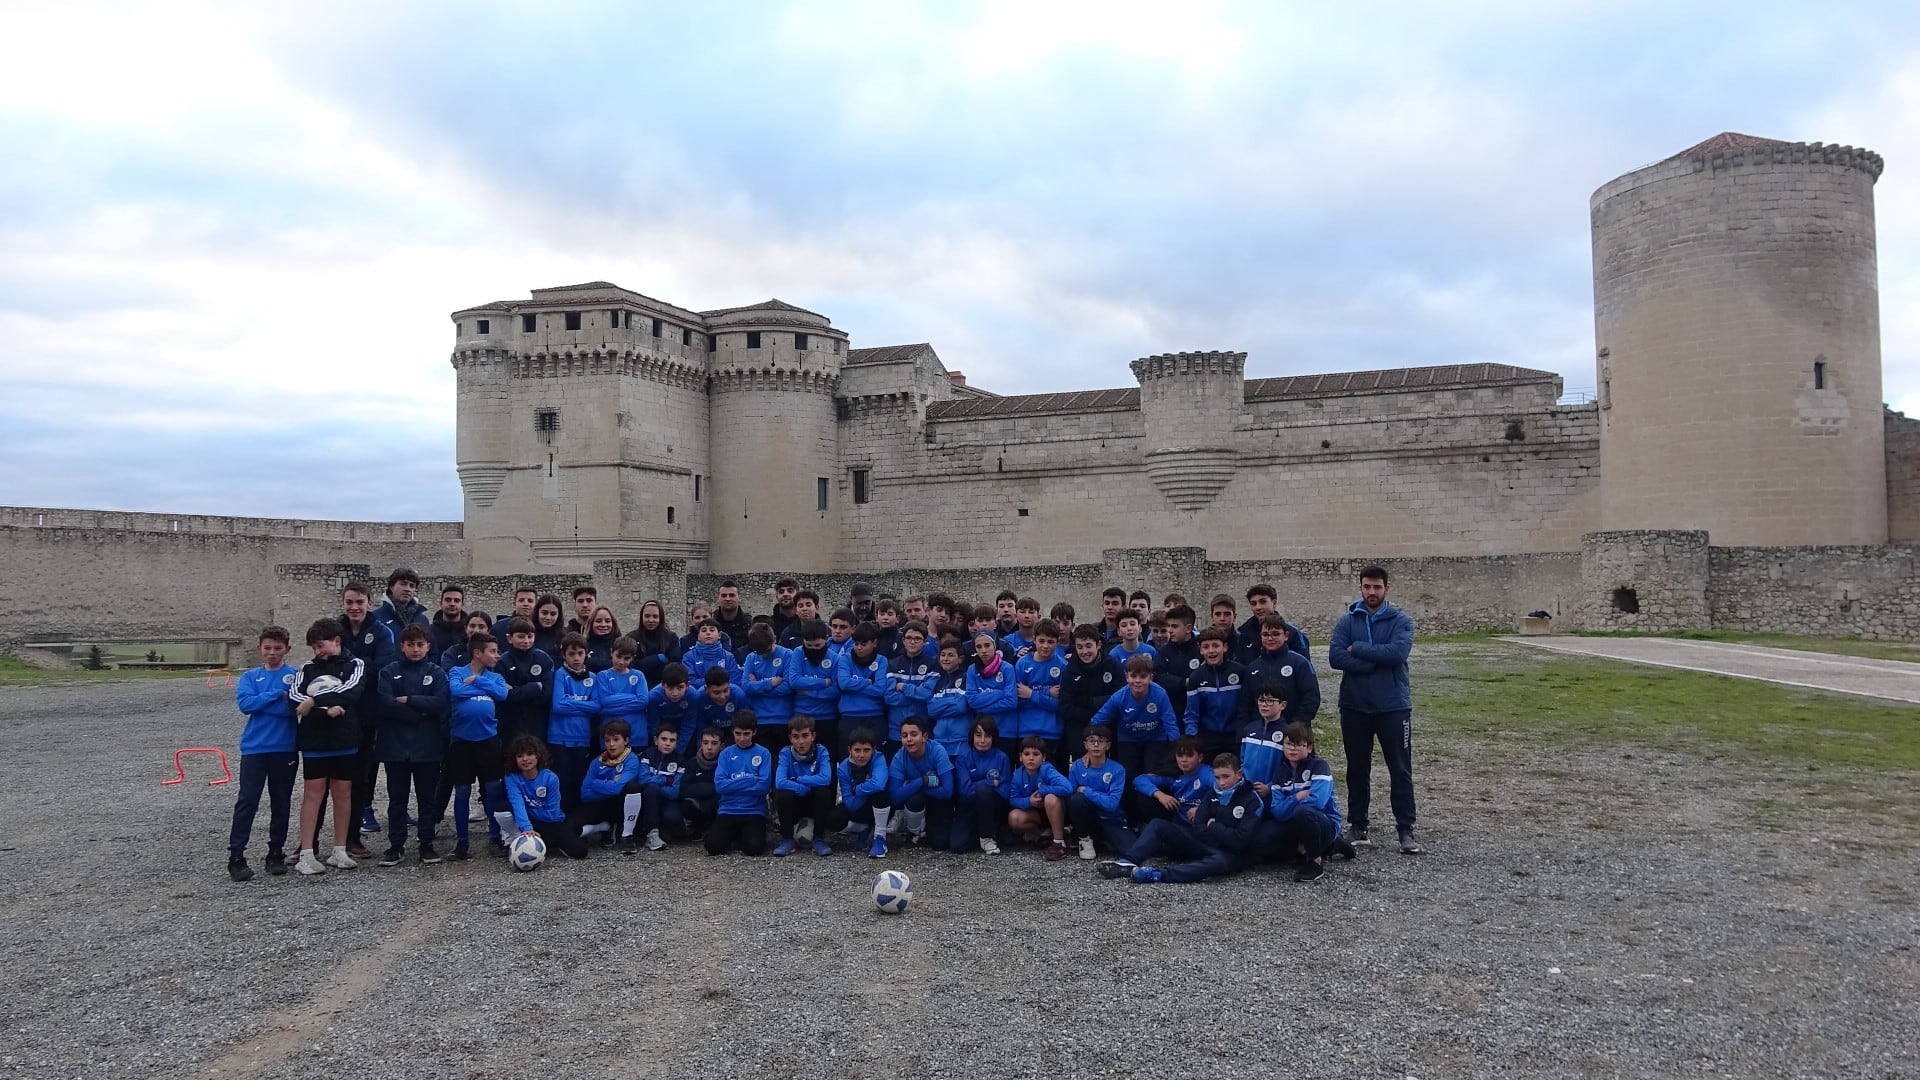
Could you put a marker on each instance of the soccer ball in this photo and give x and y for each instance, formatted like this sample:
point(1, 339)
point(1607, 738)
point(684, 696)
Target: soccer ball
point(527, 852)
point(891, 891)
point(323, 684)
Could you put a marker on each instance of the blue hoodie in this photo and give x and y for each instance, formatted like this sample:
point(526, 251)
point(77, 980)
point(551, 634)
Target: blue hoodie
point(800, 776)
point(857, 785)
point(1147, 719)
point(1104, 785)
point(947, 709)
point(816, 684)
point(606, 779)
point(771, 704)
point(682, 716)
point(1039, 714)
point(1312, 776)
point(1022, 787)
point(742, 777)
point(1213, 698)
point(576, 703)
point(1370, 649)
point(974, 771)
point(474, 703)
point(931, 773)
point(534, 802)
point(701, 657)
point(417, 730)
point(910, 687)
point(262, 694)
point(863, 687)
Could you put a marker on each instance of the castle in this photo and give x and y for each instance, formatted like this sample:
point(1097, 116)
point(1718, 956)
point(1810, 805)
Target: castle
point(1738, 467)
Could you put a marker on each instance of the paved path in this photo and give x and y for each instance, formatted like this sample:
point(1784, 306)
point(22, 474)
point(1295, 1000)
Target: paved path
point(1893, 680)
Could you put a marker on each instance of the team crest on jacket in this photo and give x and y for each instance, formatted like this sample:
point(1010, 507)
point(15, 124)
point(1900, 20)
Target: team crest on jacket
point(291, 678)
point(776, 661)
point(1106, 676)
point(426, 680)
point(541, 791)
point(1193, 664)
point(1239, 811)
point(1233, 680)
point(1153, 707)
point(588, 681)
point(633, 680)
point(1053, 673)
point(369, 638)
point(756, 761)
point(534, 670)
point(1286, 671)
point(1106, 778)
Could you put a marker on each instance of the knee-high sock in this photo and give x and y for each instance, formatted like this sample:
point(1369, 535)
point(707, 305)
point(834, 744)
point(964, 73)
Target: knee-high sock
point(880, 816)
point(629, 813)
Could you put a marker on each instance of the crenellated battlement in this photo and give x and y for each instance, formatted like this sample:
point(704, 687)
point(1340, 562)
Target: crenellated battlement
point(799, 380)
point(656, 367)
point(1169, 365)
point(1768, 152)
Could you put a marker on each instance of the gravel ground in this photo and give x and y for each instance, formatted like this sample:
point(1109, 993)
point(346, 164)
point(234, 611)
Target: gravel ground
point(1596, 915)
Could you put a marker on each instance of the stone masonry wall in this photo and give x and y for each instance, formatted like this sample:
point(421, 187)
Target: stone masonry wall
point(1654, 581)
point(1864, 591)
point(1903, 477)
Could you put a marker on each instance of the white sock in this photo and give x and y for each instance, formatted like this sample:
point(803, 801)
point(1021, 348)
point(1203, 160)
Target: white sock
point(880, 815)
point(505, 820)
point(629, 813)
point(916, 821)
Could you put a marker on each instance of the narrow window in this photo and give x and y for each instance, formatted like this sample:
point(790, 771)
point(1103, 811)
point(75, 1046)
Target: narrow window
point(860, 481)
point(658, 326)
point(459, 329)
point(409, 534)
point(299, 530)
point(669, 515)
point(1819, 374)
point(820, 493)
point(573, 320)
point(486, 326)
point(546, 422)
point(800, 342)
point(39, 519)
point(613, 319)
point(696, 487)
point(174, 525)
point(713, 343)
point(526, 324)
point(753, 339)
point(686, 336)
point(1023, 511)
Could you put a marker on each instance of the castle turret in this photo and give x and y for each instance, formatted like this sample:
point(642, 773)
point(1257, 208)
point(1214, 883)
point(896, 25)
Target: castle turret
point(1190, 404)
point(1736, 314)
point(774, 442)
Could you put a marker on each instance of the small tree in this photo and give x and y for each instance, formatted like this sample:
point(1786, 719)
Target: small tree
point(96, 660)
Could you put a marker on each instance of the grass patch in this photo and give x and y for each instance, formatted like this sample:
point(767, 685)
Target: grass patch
point(1869, 648)
point(1522, 702)
point(15, 673)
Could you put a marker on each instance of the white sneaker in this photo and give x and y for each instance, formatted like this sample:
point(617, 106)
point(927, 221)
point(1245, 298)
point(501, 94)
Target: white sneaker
point(309, 865)
point(989, 845)
point(654, 843)
point(1086, 849)
point(341, 859)
point(593, 830)
point(803, 832)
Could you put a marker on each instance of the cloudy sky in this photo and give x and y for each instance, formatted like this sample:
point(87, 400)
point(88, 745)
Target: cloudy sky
point(230, 238)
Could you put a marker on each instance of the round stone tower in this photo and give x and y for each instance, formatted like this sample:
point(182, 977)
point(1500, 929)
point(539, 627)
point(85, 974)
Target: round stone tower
point(1737, 320)
point(1190, 404)
point(774, 440)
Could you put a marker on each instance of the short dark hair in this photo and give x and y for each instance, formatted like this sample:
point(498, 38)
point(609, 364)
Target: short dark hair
point(520, 624)
point(800, 723)
point(1212, 633)
point(1097, 731)
point(1139, 664)
point(1008, 594)
point(1374, 573)
point(585, 590)
point(1062, 614)
point(526, 588)
point(1125, 614)
point(1182, 613)
point(674, 674)
point(1087, 632)
point(618, 727)
point(807, 594)
point(759, 636)
point(915, 721)
point(1273, 621)
point(625, 646)
point(476, 642)
point(1187, 744)
point(714, 730)
point(450, 588)
point(1114, 590)
point(356, 586)
point(1223, 600)
point(573, 639)
point(322, 629)
point(813, 630)
point(704, 623)
point(1226, 759)
point(844, 615)
point(403, 574)
point(744, 720)
point(1047, 628)
point(1140, 594)
point(861, 737)
point(987, 724)
point(728, 584)
point(866, 632)
point(276, 633)
point(1033, 742)
point(1026, 603)
point(1299, 733)
point(786, 583)
point(717, 676)
point(1263, 589)
point(415, 632)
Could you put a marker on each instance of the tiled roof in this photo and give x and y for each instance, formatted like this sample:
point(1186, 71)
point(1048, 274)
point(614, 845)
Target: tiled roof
point(764, 305)
point(1443, 376)
point(1726, 140)
point(887, 354)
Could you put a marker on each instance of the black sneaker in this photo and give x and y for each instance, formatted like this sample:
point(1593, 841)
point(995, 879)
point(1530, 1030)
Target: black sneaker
point(1357, 836)
point(238, 870)
point(1116, 868)
point(428, 856)
point(1344, 849)
point(629, 846)
point(1309, 871)
point(1408, 845)
point(460, 853)
point(392, 857)
point(276, 864)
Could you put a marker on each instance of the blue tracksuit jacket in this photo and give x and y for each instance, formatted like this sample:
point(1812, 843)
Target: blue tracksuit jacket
point(663, 774)
point(931, 773)
point(682, 716)
point(1189, 788)
point(993, 695)
point(947, 708)
point(1213, 698)
point(1312, 776)
point(863, 687)
point(742, 778)
point(416, 731)
point(1371, 649)
point(1038, 714)
point(623, 696)
point(910, 687)
point(857, 785)
point(974, 771)
point(1104, 785)
point(701, 657)
point(1022, 787)
point(802, 775)
point(262, 694)
point(536, 801)
point(1227, 820)
point(576, 704)
point(1139, 719)
point(771, 704)
point(474, 704)
point(606, 779)
point(1297, 679)
point(816, 684)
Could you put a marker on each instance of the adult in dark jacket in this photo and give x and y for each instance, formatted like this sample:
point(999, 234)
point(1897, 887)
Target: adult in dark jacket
point(449, 624)
point(1370, 646)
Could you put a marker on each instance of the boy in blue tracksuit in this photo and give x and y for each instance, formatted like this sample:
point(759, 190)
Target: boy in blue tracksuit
point(1214, 690)
point(1132, 630)
point(1142, 718)
point(1176, 794)
point(1370, 647)
point(1219, 841)
point(720, 702)
point(816, 682)
point(766, 674)
point(709, 651)
point(1036, 797)
point(624, 692)
point(671, 708)
point(1098, 782)
point(475, 753)
point(861, 676)
point(865, 804)
point(412, 740)
point(947, 715)
point(268, 760)
point(1278, 662)
point(574, 718)
point(741, 778)
point(664, 778)
point(529, 675)
point(1302, 823)
point(803, 788)
point(911, 679)
point(1036, 679)
point(980, 809)
point(920, 782)
point(613, 789)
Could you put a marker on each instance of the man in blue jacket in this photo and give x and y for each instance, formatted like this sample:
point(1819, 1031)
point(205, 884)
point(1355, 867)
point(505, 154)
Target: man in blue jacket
point(1370, 647)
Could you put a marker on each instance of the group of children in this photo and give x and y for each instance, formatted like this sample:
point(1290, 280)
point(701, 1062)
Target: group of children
point(960, 727)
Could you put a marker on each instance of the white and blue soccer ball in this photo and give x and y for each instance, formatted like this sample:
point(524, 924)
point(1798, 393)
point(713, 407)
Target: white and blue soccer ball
point(526, 852)
point(891, 891)
point(323, 684)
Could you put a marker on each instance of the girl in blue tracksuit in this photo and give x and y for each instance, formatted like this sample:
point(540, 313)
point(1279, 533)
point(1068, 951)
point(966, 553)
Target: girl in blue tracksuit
point(533, 795)
point(920, 780)
point(947, 713)
point(991, 689)
point(979, 807)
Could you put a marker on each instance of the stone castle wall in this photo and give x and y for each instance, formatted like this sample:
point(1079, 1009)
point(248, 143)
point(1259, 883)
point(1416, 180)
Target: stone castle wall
point(1903, 477)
